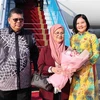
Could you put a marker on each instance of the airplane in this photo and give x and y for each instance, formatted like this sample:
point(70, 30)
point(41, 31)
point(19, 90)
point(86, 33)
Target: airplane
point(91, 8)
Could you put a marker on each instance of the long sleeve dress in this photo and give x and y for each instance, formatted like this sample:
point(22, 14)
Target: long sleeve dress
point(84, 82)
point(46, 59)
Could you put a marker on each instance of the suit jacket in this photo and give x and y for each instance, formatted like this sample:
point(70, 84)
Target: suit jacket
point(46, 59)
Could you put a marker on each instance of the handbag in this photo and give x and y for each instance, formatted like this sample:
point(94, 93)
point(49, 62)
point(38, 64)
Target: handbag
point(40, 81)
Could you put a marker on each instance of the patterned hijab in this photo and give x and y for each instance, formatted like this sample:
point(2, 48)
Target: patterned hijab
point(56, 48)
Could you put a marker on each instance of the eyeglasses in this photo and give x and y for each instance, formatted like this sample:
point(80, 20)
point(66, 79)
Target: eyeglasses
point(18, 19)
point(57, 33)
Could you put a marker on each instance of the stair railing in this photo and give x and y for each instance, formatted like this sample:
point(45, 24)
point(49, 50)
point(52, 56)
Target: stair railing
point(47, 2)
point(57, 17)
point(4, 13)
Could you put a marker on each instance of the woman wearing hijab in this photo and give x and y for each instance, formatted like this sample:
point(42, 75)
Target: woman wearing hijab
point(50, 58)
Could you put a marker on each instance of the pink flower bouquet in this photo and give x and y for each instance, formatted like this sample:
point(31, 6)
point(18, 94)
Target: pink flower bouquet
point(70, 62)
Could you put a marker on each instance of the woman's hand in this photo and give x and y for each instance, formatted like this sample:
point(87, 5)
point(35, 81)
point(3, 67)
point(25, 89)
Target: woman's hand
point(56, 70)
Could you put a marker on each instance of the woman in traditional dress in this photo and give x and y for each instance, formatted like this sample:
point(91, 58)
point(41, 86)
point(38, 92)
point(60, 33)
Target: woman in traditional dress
point(84, 82)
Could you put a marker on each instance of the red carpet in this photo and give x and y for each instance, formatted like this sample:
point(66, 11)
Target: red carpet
point(35, 96)
point(36, 23)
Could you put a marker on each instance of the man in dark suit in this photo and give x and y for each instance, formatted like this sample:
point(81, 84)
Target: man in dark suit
point(41, 5)
point(35, 3)
point(19, 3)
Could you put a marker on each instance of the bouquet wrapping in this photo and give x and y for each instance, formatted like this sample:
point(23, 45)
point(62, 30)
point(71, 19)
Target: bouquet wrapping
point(71, 60)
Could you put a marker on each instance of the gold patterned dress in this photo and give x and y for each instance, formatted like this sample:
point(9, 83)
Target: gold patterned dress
point(84, 82)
